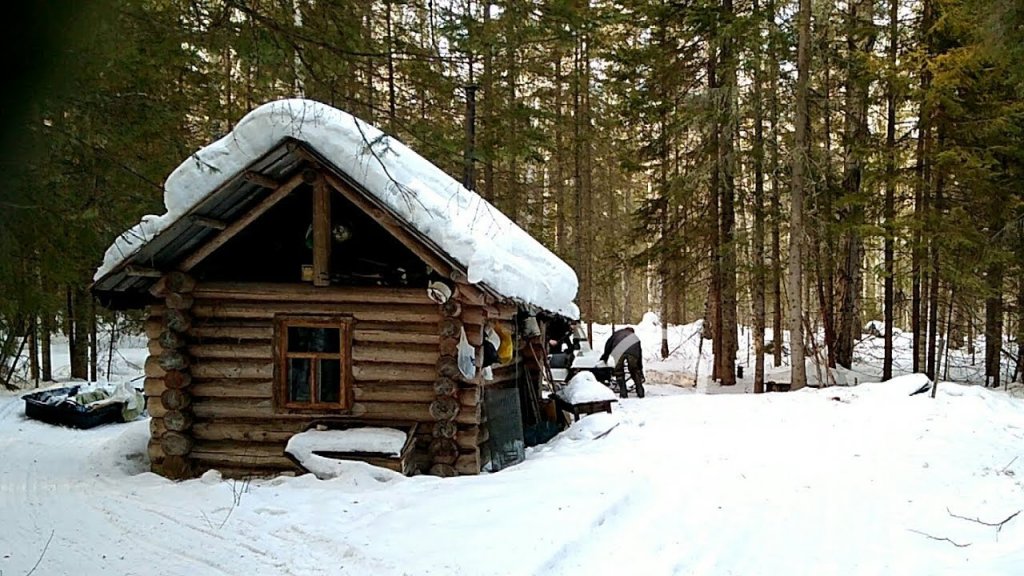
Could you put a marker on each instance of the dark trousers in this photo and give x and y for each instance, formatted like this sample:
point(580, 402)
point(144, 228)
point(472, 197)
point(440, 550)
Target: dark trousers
point(636, 372)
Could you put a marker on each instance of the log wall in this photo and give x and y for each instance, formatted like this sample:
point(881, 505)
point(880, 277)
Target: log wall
point(234, 425)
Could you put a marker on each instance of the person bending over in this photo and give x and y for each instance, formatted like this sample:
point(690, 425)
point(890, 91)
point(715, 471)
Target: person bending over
point(624, 347)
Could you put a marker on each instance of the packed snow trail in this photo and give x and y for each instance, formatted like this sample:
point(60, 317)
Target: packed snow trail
point(841, 481)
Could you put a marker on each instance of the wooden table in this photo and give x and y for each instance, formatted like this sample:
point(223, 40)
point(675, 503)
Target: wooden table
point(583, 408)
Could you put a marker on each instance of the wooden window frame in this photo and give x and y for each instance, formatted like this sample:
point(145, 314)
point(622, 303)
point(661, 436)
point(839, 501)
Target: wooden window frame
point(282, 322)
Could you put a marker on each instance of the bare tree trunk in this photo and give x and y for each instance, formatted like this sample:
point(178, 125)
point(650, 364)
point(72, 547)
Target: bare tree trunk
point(715, 243)
point(33, 351)
point(918, 256)
point(776, 200)
point(80, 334)
point(890, 190)
point(758, 278)
point(93, 345)
point(801, 155)
point(994, 324)
point(728, 134)
point(46, 330)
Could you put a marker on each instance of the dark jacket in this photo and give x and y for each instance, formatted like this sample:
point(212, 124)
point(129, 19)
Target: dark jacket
point(621, 343)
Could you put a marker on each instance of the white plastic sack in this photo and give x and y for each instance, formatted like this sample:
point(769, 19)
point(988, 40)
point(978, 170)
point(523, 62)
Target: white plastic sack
point(467, 357)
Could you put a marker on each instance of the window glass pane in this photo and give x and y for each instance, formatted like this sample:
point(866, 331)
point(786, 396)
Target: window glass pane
point(302, 339)
point(298, 379)
point(329, 385)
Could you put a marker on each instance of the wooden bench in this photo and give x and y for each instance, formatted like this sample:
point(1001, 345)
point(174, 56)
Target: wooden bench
point(403, 463)
point(583, 408)
point(777, 386)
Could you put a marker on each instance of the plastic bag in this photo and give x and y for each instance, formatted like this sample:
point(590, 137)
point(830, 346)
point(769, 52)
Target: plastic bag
point(467, 357)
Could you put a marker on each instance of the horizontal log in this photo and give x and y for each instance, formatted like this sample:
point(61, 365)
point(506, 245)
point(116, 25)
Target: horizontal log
point(237, 388)
point(269, 430)
point(175, 360)
point(177, 379)
point(156, 428)
point(360, 336)
point(361, 312)
point(468, 464)
point(408, 354)
point(443, 451)
point(179, 282)
point(177, 301)
point(259, 291)
point(257, 409)
point(393, 392)
point(240, 351)
point(256, 455)
point(394, 372)
point(155, 451)
point(472, 437)
point(444, 429)
point(474, 334)
point(232, 331)
point(152, 367)
point(175, 399)
point(177, 320)
point(176, 443)
point(153, 327)
point(176, 420)
point(444, 408)
point(169, 340)
point(247, 369)
point(443, 470)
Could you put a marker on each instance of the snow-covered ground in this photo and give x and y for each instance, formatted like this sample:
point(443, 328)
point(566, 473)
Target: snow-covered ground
point(841, 480)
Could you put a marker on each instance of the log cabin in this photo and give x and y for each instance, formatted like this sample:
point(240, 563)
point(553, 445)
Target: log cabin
point(311, 270)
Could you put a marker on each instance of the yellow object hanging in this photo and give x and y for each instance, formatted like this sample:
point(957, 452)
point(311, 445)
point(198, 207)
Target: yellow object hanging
point(505, 348)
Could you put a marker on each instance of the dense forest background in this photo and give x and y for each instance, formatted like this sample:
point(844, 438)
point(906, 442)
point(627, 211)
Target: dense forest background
point(770, 164)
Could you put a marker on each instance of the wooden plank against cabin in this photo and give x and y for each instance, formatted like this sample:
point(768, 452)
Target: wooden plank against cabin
point(238, 225)
point(289, 292)
point(321, 233)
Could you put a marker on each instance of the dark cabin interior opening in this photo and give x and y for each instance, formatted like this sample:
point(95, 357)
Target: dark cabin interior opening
point(276, 246)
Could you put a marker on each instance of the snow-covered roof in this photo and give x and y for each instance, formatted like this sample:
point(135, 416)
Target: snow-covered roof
point(493, 250)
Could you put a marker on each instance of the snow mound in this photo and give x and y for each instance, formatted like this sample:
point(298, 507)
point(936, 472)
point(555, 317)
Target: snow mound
point(584, 387)
point(494, 250)
point(383, 441)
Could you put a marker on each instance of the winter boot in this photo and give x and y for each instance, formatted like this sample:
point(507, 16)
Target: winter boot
point(640, 389)
point(623, 391)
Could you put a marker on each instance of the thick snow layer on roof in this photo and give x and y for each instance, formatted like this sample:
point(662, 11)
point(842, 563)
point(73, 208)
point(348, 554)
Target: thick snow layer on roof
point(494, 250)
